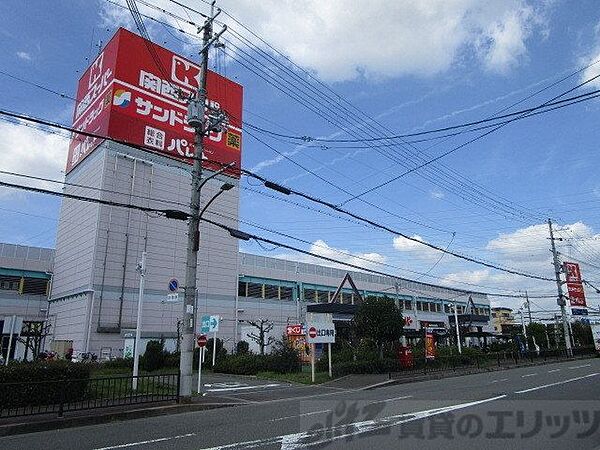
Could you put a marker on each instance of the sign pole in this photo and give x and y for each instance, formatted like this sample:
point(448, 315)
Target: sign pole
point(312, 362)
point(200, 357)
point(329, 351)
point(214, 355)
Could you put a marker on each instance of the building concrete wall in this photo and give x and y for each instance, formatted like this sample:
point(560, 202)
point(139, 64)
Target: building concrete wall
point(101, 255)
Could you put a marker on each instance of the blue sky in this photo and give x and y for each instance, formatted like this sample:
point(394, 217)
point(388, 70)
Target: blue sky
point(412, 65)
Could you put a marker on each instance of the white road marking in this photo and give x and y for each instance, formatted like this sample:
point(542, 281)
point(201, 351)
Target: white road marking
point(302, 440)
point(580, 367)
point(554, 370)
point(499, 381)
point(244, 388)
point(557, 383)
point(393, 399)
point(151, 441)
point(301, 415)
point(529, 375)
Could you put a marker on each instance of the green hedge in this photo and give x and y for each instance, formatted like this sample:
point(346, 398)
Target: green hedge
point(361, 367)
point(283, 359)
point(43, 382)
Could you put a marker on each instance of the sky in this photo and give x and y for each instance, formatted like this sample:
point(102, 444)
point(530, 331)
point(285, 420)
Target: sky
point(359, 70)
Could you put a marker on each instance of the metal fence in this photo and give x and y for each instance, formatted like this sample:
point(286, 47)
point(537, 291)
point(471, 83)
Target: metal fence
point(60, 396)
point(488, 361)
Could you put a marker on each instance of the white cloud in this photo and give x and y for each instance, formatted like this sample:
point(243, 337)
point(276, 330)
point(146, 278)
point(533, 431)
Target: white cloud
point(437, 195)
point(33, 152)
point(341, 40)
point(24, 56)
point(591, 58)
point(370, 260)
point(414, 250)
point(528, 250)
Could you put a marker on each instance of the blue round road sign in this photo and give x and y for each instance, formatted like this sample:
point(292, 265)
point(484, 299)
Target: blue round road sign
point(173, 284)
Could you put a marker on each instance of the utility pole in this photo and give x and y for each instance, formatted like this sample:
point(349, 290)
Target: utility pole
point(138, 328)
point(196, 119)
point(458, 344)
point(524, 330)
point(528, 306)
point(561, 298)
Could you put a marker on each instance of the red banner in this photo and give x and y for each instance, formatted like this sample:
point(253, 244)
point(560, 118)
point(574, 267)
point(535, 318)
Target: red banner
point(573, 273)
point(429, 346)
point(128, 96)
point(574, 285)
point(576, 294)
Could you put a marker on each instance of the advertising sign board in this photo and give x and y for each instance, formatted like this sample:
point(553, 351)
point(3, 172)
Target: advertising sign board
point(127, 95)
point(574, 284)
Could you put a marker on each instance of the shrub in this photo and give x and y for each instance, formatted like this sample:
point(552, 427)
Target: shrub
point(43, 382)
point(284, 358)
point(155, 356)
point(245, 364)
point(242, 347)
point(360, 367)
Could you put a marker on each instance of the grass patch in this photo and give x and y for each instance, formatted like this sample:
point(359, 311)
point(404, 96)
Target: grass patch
point(297, 377)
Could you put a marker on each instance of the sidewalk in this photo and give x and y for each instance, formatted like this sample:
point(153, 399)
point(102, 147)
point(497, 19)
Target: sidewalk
point(44, 422)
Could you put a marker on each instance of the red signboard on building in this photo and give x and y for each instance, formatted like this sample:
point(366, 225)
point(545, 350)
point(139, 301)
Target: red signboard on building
point(574, 284)
point(294, 330)
point(127, 96)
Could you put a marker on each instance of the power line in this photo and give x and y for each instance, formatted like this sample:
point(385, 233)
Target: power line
point(288, 191)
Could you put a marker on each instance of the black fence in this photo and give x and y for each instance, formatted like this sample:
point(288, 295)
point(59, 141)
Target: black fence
point(60, 396)
point(489, 361)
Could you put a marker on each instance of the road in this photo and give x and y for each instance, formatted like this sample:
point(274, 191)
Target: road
point(554, 406)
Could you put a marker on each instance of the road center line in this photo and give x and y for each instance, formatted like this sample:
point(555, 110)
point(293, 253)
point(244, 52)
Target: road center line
point(557, 383)
point(301, 415)
point(580, 367)
point(393, 399)
point(529, 375)
point(243, 388)
point(554, 370)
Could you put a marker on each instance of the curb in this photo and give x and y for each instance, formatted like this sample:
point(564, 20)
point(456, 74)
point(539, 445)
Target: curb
point(78, 421)
point(459, 373)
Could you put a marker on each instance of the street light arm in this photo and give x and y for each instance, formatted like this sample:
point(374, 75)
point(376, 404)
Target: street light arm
point(218, 172)
point(214, 197)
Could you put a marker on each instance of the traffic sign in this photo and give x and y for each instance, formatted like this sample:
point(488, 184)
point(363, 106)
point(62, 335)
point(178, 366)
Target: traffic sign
point(321, 333)
point(201, 340)
point(173, 284)
point(210, 324)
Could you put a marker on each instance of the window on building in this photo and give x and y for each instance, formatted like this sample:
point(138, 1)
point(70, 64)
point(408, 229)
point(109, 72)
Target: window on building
point(242, 285)
point(420, 306)
point(255, 290)
point(447, 308)
point(271, 292)
point(407, 304)
point(10, 283)
point(287, 293)
point(346, 297)
point(309, 295)
point(322, 296)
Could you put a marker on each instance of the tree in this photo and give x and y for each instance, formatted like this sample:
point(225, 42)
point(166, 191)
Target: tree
point(32, 335)
point(582, 334)
point(538, 331)
point(379, 320)
point(263, 327)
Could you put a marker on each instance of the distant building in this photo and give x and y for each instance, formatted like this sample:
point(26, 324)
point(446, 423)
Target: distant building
point(503, 320)
point(25, 279)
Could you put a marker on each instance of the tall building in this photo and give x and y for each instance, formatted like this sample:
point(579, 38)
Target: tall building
point(129, 96)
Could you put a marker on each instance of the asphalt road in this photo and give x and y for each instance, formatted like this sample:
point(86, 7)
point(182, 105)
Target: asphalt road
point(554, 406)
